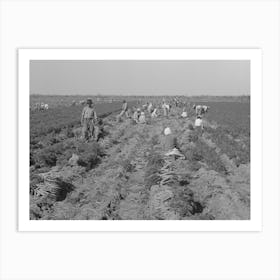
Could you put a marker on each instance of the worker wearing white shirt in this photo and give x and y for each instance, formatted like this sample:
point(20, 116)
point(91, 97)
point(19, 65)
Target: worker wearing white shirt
point(198, 122)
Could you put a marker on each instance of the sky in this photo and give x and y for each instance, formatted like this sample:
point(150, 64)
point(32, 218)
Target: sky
point(140, 77)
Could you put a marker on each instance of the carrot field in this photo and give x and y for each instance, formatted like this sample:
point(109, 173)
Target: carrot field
point(125, 175)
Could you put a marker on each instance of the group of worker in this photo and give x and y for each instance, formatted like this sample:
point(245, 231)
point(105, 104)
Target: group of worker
point(171, 145)
point(139, 114)
point(153, 111)
point(91, 124)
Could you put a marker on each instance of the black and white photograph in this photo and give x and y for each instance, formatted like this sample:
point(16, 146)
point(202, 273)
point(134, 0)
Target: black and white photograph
point(140, 139)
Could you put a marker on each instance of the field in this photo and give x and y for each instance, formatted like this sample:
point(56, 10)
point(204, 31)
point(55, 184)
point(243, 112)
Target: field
point(125, 175)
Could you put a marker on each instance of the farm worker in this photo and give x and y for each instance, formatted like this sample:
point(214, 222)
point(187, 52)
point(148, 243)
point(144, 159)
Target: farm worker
point(165, 108)
point(205, 109)
point(124, 109)
point(198, 122)
point(150, 107)
point(198, 109)
point(201, 109)
point(171, 145)
point(142, 118)
point(37, 106)
point(136, 115)
point(128, 113)
point(154, 113)
point(98, 128)
point(184, 114)
point(145, 106)
point(88, 120)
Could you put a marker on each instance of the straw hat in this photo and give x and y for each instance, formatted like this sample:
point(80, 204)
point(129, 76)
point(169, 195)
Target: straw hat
point(167, 131)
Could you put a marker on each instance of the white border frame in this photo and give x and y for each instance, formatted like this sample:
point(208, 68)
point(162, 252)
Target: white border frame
point(254, 55)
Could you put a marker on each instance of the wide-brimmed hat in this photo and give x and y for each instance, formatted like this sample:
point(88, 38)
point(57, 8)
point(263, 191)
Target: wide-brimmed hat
point(167, 131)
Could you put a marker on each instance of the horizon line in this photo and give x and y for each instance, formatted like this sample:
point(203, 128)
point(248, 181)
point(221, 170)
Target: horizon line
point(138, 95)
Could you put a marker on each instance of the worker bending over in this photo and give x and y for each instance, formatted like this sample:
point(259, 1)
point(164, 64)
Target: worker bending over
point(170, 144)
point(198, 124)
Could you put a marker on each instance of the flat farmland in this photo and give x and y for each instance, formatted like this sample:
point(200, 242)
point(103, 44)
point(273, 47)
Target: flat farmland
point(231, 114)
point(67, 100)
point(125, 175)
point(56, 118)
